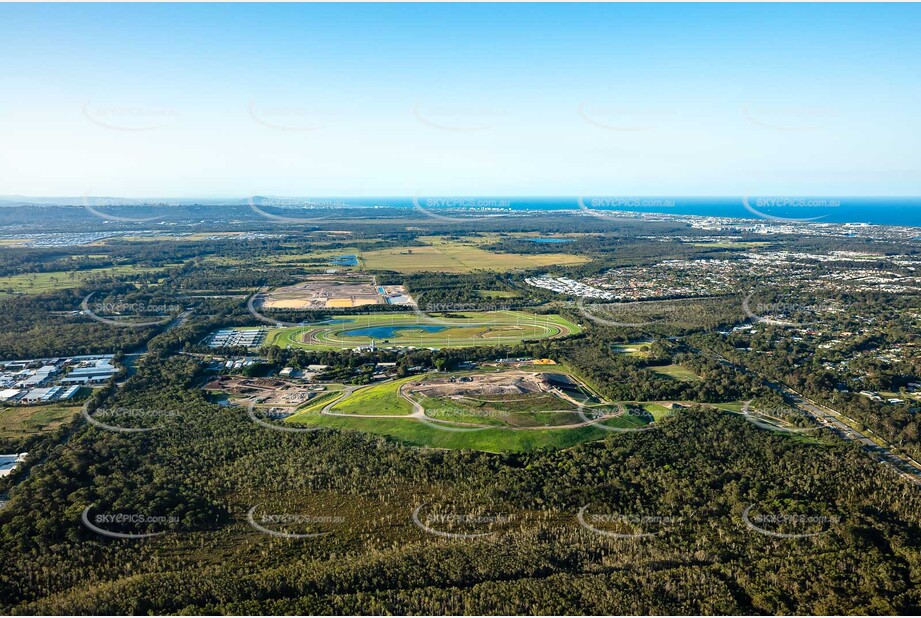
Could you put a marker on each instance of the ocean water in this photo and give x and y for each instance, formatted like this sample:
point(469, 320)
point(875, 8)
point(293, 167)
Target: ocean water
point(877, 211)
point(873, 210)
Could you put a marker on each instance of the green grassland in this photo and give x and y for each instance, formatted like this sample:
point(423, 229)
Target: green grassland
point(497, 294)
point(379, 399)
point(37, 283)
point(632, 349)
point(657, 411)
point(676, 372)
point(500, 403)
point(20, 421)
point(498, 418)
point(418, 433)
point(485, 328)
point(441, 254)
point(732, 406)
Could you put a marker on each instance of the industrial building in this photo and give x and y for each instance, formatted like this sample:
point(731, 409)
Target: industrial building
point(237, 337)
point(52, 379)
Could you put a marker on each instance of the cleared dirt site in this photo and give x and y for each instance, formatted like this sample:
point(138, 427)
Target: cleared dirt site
point(508, 383)
point(332, 291)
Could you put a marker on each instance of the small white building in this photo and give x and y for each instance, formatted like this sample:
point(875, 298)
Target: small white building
point(9, 394)
point(8, 463)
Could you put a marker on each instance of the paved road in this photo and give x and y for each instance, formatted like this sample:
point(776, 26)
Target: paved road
point(831, 419)
point(131, 359)
point(825, 416)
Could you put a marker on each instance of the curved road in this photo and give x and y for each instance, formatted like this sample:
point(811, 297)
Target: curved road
point(419, 412)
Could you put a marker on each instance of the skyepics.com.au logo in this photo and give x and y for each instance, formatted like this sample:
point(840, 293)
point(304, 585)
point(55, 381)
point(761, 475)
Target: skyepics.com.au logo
point(619, 206)
point(628, 203)
point(780, 209)
point(792, 522)
point(255, 302)
point(618, 118)
point(620, 525)
point(460, 307)
point(251, 413)
point(596, 311)
point(126, 525)
point(128, 420)
point(135, 307)
point(293, 525)
point(453, 309)
point(787, 119)
point(294, 210)
point(452, 522)
point(126, 210)
point(458, 314)
point(616, 418)
point(448, 418)
point(457, 119)
point(293, 117)
point(462, 209)
point(129, 315)
point(128, 117)
point(784, 419)
point(775, 312)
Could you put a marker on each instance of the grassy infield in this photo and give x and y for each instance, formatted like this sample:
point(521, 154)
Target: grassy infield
point(494, 327)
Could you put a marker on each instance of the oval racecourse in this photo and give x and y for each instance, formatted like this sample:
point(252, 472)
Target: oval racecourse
point(405, 329)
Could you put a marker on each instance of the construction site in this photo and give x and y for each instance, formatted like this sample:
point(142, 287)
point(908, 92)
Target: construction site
point(334, 291)
point(276, 398)
point(505, 387)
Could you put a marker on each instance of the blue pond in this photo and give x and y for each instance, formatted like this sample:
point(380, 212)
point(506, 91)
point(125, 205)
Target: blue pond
point(386, 332)
point(549, 240)
point(345, 260)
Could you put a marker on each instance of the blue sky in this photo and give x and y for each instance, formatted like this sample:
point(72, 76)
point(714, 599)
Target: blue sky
point(373, 100)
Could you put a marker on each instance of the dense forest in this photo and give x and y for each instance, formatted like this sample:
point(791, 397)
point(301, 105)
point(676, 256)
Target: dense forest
point(206, 466)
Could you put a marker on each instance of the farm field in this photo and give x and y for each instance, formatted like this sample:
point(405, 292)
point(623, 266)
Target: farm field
point(21, 420)
point(36, 283)
point(497, 294)
point(454, 256)
point(409, 329)
point(318, 258)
